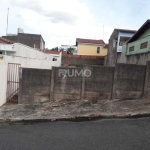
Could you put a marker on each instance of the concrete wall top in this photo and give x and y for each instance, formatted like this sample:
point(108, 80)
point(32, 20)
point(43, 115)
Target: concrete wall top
point(21, 50)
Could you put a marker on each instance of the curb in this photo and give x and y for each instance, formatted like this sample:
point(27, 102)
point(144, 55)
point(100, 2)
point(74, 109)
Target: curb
point(73, 119)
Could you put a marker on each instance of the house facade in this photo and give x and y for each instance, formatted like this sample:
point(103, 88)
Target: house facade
point(137, 48)
point(91, 47)
point(14, 56)
point(116, 41)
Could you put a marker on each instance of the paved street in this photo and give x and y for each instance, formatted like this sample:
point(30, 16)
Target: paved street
point(118, 134)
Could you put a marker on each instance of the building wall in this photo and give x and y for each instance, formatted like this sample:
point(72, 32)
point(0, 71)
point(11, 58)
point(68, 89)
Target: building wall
point(3, 82)
point(13, 38)
point(145, 34)
point(28, 58)
point(145, 37)
point(138, 56)
point(20, 50)
point(139, 59)
point(137, 44)
point(112, 54)
point(121, 58)
point(89, 49)
point(32, 40)
point(115, 51)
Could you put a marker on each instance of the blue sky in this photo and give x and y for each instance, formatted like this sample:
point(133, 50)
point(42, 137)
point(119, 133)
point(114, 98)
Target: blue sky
point(60, 22)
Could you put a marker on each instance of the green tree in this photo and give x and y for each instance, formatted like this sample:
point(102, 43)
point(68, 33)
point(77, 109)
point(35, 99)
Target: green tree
point(55, 48)
point(70, 50)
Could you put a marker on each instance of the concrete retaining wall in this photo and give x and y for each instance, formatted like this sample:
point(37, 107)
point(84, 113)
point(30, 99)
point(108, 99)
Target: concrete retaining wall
point(68, 87)
point(124, 81)
point(147, 81)
point(128, 81)
point(34, 85)
point(99, 84)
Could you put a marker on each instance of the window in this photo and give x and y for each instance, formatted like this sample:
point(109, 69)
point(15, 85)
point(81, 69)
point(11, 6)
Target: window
point(144, 45)
point(131, 49)
point(98, 49)
point(54, 59)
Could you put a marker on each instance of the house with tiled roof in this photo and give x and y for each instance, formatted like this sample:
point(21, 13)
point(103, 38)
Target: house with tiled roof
point(5, 41)
point(54, 52)
point(91, 47)
point(137, 48)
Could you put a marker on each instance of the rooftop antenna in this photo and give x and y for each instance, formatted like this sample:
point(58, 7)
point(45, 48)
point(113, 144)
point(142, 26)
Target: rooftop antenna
point(7, 23)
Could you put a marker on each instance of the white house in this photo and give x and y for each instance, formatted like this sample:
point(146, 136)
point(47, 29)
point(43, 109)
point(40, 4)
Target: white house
point(13, 56)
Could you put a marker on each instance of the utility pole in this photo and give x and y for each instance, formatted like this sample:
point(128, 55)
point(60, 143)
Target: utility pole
point(7, 23)
point(7, 27)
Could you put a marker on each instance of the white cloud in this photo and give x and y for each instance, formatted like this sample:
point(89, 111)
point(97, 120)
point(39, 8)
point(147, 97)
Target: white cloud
point(62, 21)
point(57, 21)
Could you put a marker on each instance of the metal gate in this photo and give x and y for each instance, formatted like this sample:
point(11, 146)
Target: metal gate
point(12, 83)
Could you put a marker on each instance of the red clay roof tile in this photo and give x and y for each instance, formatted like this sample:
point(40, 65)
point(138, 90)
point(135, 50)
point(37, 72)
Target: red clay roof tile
point(52, 52)
point(79, 40)
point(5, 41)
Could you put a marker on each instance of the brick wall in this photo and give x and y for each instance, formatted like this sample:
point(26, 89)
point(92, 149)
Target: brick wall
point(70, 59)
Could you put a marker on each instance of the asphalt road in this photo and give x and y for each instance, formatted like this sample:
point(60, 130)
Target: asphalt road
point(118, 134)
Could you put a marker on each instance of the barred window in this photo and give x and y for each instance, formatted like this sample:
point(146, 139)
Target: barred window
point(144, 45)
point(131, 49)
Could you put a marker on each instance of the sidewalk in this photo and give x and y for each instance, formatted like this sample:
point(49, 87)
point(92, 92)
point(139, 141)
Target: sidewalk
point(76, 109)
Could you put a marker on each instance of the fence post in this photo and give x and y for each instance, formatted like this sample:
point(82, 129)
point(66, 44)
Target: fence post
point(146, 92)
point(20, 86)
point(83, 83)
point(52, 84)
point(113, 93)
